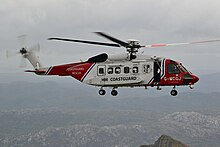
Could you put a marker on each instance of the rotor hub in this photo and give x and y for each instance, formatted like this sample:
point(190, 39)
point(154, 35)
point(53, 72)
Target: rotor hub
point(23, 51)
point(133, 42)
point(133, 46)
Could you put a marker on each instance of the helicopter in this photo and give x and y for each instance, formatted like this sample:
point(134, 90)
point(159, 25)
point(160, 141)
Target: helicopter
point(128, 69)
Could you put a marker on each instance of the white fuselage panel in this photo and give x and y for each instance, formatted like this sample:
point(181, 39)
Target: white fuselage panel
point(121, 73)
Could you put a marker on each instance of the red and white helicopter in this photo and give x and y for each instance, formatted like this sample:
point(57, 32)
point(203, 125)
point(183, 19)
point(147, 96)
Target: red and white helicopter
point(130, 69)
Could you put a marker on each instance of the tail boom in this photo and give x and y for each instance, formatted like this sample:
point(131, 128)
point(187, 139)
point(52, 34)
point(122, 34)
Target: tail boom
point(76, 70)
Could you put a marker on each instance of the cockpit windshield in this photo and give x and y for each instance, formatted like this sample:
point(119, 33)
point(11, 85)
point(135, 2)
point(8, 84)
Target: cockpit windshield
point(182, 68)
point(174, 68)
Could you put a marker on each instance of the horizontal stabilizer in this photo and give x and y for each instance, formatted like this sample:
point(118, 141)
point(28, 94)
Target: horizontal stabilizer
point(36, 71)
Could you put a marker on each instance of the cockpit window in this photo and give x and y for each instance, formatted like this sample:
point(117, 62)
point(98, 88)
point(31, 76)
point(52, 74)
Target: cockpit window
point(182, 68)
point(173, 69)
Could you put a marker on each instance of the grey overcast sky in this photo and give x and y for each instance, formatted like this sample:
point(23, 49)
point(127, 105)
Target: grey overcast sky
point(149, 21)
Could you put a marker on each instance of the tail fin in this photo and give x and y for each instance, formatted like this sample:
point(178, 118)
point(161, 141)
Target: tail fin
point(32, 57)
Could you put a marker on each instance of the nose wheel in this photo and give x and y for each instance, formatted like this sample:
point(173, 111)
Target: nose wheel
point(173, 92)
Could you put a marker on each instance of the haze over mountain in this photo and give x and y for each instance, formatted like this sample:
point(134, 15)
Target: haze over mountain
point(52, 93)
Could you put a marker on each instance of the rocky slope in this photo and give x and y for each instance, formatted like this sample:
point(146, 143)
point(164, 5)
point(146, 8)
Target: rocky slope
point(166, 141)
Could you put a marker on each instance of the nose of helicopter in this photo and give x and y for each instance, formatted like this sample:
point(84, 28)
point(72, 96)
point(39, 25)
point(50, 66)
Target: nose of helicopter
point(195, 79)
point(190, 79)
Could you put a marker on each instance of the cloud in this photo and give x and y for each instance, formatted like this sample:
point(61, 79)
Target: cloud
point(150, 21)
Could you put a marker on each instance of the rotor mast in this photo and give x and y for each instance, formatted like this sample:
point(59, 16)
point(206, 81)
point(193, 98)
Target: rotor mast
point(133, 47)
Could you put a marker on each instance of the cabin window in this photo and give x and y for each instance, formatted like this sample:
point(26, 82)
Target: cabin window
point(101, 70)
point(126, 70)
point(146, 69)
point(110, 70)
point(117, 70)
point(135, 69)
point(173, 69)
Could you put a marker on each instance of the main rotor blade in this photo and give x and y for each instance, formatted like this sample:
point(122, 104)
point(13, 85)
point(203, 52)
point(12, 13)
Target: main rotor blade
point(122, 43)
point(86, 41)
point(176, 44)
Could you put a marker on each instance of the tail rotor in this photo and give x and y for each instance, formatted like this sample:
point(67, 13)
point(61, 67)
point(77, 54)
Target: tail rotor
point(26, 53)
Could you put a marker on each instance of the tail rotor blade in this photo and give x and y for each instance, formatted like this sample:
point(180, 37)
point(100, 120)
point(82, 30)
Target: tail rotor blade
point(10, 54)
point(23, 63)
point(35, 48)
point(22, 40)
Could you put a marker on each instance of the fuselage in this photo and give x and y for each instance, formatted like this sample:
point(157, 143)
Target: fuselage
point(118, 71)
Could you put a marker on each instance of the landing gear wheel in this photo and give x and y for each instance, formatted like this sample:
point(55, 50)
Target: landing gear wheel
point(102, 92)
point(173, 92)
point(114, 92)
